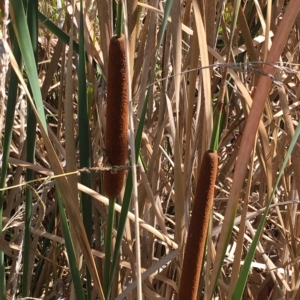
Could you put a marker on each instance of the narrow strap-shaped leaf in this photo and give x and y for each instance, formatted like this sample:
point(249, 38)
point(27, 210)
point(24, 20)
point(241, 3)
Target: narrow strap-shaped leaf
point(23, 37)
point(30, 154)
point(242, 280)
point(57, 31)
point(70, 249)
point(9, 121)
point(84, 141)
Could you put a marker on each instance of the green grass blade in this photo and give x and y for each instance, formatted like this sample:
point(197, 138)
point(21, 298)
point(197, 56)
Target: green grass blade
point(70, 250)
point(220, 106)
point(168, 7)
point(32, 20)
point(214, 144)
point(242, 280)
point(57, 31)
point(10, 113)
point(63, 36)
point(24, 40)
point(84, 141)
point(119, 18)
point(121, 228)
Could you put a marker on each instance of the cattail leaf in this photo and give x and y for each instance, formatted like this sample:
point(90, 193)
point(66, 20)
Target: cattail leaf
point(70, 249)
point(249, 134)
point(23, 37)
point(32, 21)
point(84, 142)
point(9, 121)
point(57, 31)
point(242, 280)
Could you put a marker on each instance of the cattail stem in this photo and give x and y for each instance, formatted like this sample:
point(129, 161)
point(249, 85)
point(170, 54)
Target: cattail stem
point(108, 247)
point(119, 18)
point(116, 136)
point(196, 239)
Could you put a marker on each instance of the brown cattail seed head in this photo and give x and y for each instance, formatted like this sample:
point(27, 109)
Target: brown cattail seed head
point(116, 137)
point(196, 239)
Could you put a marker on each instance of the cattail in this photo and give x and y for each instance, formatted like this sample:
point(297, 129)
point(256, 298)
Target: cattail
point(196, 239)
point(116, 137)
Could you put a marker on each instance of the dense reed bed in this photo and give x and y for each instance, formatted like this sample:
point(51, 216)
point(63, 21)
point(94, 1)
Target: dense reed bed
point(77, 180)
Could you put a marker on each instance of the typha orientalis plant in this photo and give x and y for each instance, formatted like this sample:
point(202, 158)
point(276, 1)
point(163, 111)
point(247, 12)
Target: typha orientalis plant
point(116, 136)
point(203, 201)
point(196, 240)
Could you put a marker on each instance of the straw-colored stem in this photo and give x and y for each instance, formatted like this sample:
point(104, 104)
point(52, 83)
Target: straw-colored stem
point(108, 244)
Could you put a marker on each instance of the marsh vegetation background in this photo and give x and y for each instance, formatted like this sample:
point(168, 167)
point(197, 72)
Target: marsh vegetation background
point(219, 75)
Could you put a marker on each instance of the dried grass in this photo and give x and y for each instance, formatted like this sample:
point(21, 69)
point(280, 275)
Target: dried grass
point(177, 131)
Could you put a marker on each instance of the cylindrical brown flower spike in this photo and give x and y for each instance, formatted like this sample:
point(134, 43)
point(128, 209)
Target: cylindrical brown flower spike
point(116, 136)
point(192, 262)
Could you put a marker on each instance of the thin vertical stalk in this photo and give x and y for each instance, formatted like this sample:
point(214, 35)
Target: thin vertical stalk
point(133, 160)
point(108, 247)
point(84, 140)
point(10, 112)
point(70, 249)
point(220, 105)
point(12, 94)
point(116, 138)
point(30, 152)
point(119, 19)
